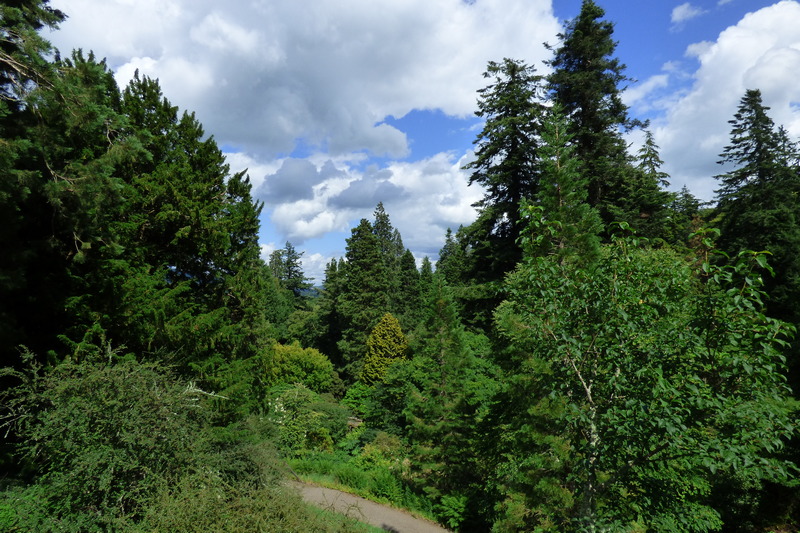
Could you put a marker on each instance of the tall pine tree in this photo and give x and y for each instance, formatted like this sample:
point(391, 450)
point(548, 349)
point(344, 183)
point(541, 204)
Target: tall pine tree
point(505, 164)
point(586, 81)
point(758, 200)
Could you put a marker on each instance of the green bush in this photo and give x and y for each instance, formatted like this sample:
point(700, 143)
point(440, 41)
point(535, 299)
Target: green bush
point(384, 484)
point(305, 420)
point(351, 476)
point(104, 436)
point(202, 502)
point(291, 364)
point(124, 446)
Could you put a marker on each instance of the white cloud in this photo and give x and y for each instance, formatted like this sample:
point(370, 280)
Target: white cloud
point(761, 52)
point(685, 12)
point(422, 198)
point(263, 74)
point(314, 266)
point(634, 95)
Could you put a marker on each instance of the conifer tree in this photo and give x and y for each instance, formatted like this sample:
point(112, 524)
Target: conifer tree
point(644, 203)
point(287, 267)
point(758, 199)
point(326, 325)
point(406, 302)
point(366, 295)
point(586, 81)
point(386, 345)
point(505, 164)
point(572, 226)
point(452, 262)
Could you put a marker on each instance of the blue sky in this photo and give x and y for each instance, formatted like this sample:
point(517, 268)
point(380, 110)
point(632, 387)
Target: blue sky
point(335, 105)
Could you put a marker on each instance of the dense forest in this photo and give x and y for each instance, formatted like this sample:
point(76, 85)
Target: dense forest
point(593, 353)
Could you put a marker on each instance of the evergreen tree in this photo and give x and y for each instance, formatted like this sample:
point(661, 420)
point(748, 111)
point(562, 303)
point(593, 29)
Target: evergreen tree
point(386, 344)
point(644, 203)
point(572, 226)
point(758, 200)
point(505, 164)
point(425, 276)
point(684, 216)
point(366, 295)
point(407, 304)
point(391, 242)
point(452, 261)
point(759, 153)
point(287, 267)
point(324, 329)
point(586, 81)
point(23, 51)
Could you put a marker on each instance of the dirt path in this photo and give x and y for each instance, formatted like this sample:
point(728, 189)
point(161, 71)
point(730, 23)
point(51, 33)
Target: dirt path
point(375, 514)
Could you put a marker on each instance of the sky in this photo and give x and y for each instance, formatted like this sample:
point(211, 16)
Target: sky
point(335, 105)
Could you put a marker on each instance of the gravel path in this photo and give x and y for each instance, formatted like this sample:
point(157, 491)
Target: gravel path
point(386, 518)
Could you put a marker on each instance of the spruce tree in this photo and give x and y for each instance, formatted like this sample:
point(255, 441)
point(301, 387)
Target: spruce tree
point(505, 164)
point(758, 200)
point(586, 81)
point(644, 204)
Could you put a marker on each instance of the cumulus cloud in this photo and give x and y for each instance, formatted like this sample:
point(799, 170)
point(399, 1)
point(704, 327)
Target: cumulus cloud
point(422, 198)
point(761, 52)
point(263, 74)
point(639, 92)
point(294, 180)
point(685, 12)
point(365, 192)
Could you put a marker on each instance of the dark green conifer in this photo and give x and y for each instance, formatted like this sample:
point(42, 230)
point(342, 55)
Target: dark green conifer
point(505, 164)
point(758, 200)
point(586, 81)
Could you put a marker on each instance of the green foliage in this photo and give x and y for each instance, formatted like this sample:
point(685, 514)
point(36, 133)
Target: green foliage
point(364, 294)
point(758, 200)
point(644, 203)
point(505, 162)
point(639, 370)
point(293, 364)
point(385, 345)
point(305, 420)
point(562, 201)
point(586, 81)
point(287, 268)
point(104, 436)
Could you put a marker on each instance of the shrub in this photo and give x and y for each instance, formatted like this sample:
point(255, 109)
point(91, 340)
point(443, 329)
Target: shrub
point(351, 476)
point(291, 364)
point(104, 435)
point(305, 420)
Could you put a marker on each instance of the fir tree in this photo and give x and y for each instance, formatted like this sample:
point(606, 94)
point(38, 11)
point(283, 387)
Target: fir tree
point(758, 199)
point(287, 267)
point(571, 226)
point(505, 163)
point(644, 204)
point(366, 294)
point(586, 81)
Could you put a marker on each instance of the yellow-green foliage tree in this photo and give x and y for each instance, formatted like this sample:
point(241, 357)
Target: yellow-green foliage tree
point(385, 345)
point(292, 364)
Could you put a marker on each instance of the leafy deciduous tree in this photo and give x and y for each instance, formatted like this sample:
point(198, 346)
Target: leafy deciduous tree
point(638, 381)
